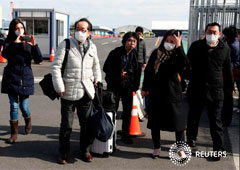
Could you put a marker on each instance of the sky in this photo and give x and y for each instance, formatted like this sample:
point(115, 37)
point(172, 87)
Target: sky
point(110, 13)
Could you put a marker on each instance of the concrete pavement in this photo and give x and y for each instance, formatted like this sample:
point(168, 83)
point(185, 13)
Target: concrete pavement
point(39, 150)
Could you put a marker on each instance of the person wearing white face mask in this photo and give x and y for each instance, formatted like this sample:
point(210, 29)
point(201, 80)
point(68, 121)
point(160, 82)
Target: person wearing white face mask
point(18, 80)
point(76, 87)
point(211, 75)
point(162, 83)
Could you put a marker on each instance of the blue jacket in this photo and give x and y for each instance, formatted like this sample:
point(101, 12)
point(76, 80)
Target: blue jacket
point(18, 75)
point(235, 53)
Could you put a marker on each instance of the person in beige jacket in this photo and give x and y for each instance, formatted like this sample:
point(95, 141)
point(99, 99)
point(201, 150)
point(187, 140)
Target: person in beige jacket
point(76, 87)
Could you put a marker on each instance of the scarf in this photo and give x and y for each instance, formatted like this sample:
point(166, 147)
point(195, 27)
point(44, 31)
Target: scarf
point(161, 58)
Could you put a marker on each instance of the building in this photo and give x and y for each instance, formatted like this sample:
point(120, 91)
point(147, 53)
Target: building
point(101, 31)
point(161, 27)
point(48, 26)
point(127, 28)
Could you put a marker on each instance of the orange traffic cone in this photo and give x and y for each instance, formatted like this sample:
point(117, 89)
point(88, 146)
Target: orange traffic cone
point(134, 128)
point(52, 55)
point(2, 59)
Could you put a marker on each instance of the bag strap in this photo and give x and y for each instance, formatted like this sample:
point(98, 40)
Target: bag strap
point(67, 48)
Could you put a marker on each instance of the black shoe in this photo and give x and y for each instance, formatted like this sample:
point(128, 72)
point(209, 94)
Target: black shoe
point(87, 157)
point(63, 159)
point(191, 143)
point(155, 156)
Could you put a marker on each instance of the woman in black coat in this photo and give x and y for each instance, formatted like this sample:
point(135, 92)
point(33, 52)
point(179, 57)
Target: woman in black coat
point(19, 49)
point(163, 83)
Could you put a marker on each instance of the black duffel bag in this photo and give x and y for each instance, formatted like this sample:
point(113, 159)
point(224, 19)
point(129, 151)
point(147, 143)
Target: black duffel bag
point(47, 87)
point(101, 124)
point(47, 84)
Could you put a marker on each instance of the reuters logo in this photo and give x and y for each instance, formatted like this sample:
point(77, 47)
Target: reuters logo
point(180, 153)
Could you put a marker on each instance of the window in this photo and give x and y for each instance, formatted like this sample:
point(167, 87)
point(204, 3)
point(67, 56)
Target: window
point(36, 27)
point(40, 27)
point(29, 26)
point(60, 26)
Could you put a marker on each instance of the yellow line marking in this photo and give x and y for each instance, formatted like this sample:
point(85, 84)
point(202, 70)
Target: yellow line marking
point(156, 43)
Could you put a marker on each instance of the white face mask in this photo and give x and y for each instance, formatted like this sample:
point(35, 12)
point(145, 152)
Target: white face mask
point(80, 36)
point(21, 32)
point(211, 38)
point(169, 46)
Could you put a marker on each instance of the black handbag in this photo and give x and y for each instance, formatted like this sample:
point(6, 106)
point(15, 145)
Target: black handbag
point(47, 84)
point(101, 124)
point(107, 98)
point(109, 101)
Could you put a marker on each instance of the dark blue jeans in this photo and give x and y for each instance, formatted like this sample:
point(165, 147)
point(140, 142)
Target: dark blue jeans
point(17, 101)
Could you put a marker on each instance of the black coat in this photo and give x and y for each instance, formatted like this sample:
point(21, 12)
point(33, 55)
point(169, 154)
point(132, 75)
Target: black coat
point(18, 75)
point(165, 111)
point(113, 67)
point(210, 71)
point(141, 48)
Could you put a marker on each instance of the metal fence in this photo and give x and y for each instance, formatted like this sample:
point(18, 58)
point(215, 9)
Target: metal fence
point(202, 12)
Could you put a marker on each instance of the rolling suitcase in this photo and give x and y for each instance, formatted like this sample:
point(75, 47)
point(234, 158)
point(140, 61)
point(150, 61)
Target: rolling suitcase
point(108, 147)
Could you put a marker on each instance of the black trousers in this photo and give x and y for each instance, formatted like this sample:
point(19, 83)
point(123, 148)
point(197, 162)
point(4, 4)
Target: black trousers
point(139, 73)
point(157, 139)
point(126, 96)
point(227, 111)
point(83, 107)
point(214, 110)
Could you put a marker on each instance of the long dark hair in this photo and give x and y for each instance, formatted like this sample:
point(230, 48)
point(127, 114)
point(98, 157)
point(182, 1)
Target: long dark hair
point(11, 33)
point(169, 32)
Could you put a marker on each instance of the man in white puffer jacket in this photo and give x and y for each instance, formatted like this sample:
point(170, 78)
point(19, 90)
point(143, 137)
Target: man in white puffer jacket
point(76, 87)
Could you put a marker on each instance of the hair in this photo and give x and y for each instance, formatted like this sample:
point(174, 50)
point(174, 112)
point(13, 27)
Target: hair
point(238, 31)
point(139, 29)
point(84, 20)
point(234, 30)
point(128, 35)
point(230, 33)
point(11, 33)
point(212, 24)
point(168, 33)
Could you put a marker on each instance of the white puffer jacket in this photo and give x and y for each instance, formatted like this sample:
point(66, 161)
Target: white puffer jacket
point(80, 72)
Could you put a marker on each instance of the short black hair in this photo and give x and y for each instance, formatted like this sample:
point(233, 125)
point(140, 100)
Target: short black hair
point(85, 20)
point(230, 33)
point(128, 35)
point(212, 24)
point(139, 29)
point(238, 31)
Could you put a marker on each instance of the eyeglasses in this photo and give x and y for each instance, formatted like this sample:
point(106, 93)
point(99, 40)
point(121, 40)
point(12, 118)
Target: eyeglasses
point(132, 41)
point(81, 29)
point(212, 32)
